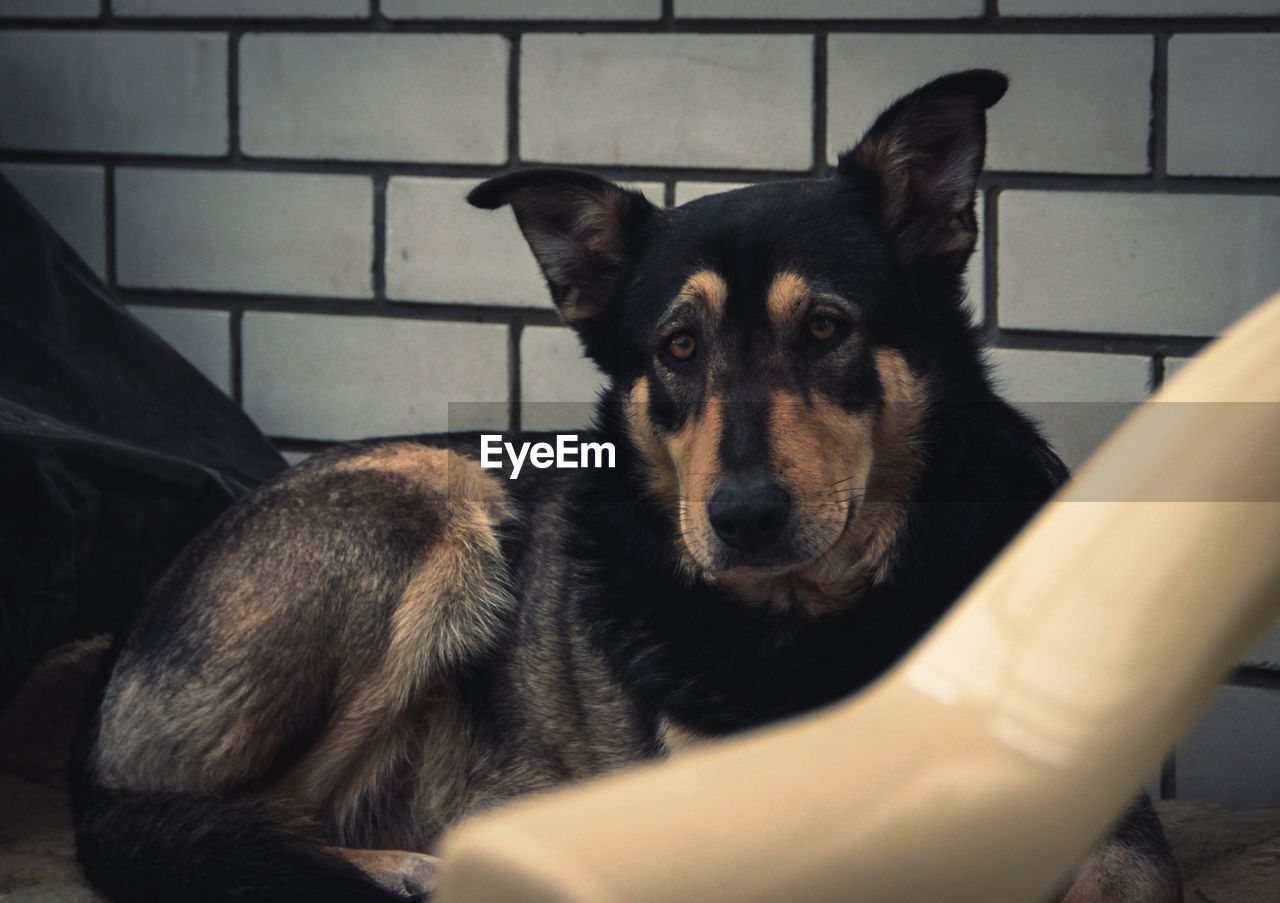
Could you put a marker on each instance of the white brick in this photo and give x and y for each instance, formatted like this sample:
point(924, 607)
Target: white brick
point(742, 101)
point(1232, 757)
point(1032, 376)
point(320, 377)
point(374, 97)
point(1076, 103)
point(522, 9)
point(71, 198)
point(1184, 264)
point(1224, 111)
point(440, 248)
point(691, 191)
point(1077, 398)
point(655, 192)
point(558, 383)
point(245, 232)
point(117, 91)
point(203, 337)
point(50, 9)
point(1139, 7)
point(302, 9)
point(829, 9)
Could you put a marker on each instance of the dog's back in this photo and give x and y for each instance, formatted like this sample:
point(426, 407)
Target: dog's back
point(271, 691)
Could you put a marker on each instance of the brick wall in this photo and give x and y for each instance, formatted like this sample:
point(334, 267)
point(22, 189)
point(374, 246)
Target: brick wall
point(276, 187)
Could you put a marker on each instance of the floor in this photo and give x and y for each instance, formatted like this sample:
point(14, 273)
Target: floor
point(1226, 857)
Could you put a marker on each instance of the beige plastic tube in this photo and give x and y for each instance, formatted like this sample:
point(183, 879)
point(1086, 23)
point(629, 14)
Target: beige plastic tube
point(985, 765)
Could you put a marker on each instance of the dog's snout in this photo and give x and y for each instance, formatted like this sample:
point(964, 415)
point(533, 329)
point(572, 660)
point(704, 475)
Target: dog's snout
point(749, 515)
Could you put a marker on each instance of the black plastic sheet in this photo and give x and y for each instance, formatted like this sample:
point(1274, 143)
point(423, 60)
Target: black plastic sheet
point(114, 451)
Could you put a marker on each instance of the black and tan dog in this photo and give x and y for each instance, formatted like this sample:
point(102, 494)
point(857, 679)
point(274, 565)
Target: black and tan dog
point(811, 467)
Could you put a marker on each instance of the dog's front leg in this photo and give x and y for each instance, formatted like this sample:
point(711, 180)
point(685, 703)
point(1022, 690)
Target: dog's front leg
point(1134, 864)
point(411, 874)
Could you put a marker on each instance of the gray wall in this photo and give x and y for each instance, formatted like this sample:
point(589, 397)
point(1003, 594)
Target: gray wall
point(276, 187)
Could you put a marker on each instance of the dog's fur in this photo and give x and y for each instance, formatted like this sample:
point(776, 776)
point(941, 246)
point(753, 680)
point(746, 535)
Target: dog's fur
point(812, 466)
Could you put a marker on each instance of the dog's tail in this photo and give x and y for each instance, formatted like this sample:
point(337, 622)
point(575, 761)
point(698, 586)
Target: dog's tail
point(150, 846)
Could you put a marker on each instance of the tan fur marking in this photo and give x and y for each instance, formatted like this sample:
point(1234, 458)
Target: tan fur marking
point(397, 870)
point(706, 289)
point(877, 465)
point(438, 470)
point(849, 475)
point(683, 468)
point(450, 608)
point(675, 738)
point(695, 451)
point(662, 470)
point(787, 293)
point(896, 465)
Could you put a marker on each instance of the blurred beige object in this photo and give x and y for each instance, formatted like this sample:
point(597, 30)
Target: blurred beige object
point(986, 763)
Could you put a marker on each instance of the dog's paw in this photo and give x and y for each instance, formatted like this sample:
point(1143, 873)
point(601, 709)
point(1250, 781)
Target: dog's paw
point(416, 873)
point(1116, 872)
point(410, 874)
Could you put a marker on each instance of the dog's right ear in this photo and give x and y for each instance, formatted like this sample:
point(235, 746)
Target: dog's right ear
point(582, 230)
point(926, 152)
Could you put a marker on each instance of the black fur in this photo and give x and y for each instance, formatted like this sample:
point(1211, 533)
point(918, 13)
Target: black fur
point(182, 847)
point(698, 654)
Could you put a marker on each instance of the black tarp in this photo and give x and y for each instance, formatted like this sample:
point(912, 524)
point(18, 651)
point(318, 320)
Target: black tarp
point(114, 451)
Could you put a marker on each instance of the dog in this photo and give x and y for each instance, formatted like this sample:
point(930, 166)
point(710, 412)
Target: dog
point(811, 467)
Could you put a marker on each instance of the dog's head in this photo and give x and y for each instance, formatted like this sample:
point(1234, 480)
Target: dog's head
point(757, 336)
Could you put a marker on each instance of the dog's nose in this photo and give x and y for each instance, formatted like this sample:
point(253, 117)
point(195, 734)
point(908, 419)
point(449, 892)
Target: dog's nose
point(749, 515)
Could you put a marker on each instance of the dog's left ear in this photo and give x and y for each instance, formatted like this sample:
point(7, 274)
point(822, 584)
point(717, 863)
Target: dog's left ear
point(582, 230)
point(926, 153)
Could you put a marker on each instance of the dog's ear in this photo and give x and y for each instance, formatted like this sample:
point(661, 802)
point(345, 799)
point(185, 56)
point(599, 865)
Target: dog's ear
point(582, 230)
point(926, 152)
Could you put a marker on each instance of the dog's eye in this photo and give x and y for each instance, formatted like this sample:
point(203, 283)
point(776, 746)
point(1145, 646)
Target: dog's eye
point(682, 346)
point(821, 329)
